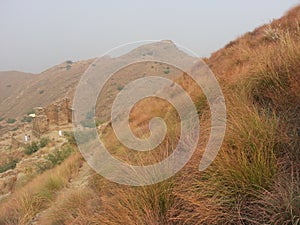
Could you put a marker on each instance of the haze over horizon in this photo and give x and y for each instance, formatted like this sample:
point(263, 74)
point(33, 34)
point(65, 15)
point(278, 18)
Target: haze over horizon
point(36, 35)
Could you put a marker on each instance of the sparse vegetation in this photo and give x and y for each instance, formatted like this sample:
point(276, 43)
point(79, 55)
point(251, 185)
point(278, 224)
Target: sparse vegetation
point(120, 88)
point(10, 120)
point(35, 146)
point(35, 196)
point(31, 148)
point(70, 137)
point(11, 164)
point(59, 155)
point(26, 119)
point(166, 71)
point(44, 141)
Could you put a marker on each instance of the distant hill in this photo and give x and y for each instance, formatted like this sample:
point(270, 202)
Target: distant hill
point(41, 89)
point(22, 92)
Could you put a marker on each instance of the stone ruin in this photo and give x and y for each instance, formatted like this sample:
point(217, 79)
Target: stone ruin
point(56, 114)
point(44, 120)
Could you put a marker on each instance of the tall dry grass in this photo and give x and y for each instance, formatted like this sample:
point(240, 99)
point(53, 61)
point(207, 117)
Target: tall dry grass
point(253, 180)
point(38, 194)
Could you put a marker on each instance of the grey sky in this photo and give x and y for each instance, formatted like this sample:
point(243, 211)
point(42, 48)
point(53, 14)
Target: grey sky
point(36, 34)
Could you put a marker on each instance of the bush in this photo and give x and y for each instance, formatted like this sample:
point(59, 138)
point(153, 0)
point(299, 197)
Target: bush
point(44, 142)
point(31, 148)
point(10, 120)
point(166, 71)
point(26, 119)
point(70, 137)
point(10, 165)
point(59, 155)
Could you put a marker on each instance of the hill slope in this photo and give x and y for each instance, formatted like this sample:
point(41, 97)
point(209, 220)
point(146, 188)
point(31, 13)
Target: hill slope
point(61, 81)
point(254, 180)
point(12, 82)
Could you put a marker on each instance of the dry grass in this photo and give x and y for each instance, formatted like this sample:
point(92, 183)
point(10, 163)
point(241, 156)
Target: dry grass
point(38, 194)
point(255, 177)
point(281, 204)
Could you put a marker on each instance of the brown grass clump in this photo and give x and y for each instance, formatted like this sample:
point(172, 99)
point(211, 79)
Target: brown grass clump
point(38, 194)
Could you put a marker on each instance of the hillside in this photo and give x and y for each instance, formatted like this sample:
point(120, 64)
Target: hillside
point(255, 178)
point(42, 89)
point(12, 82)
point(61, 81)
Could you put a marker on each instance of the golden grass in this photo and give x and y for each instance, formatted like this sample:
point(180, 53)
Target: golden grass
point(38, 194)
point(255, 177)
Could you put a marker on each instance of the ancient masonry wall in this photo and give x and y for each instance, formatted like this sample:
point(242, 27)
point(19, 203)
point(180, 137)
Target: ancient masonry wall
point(15, 143)
point(58, 113)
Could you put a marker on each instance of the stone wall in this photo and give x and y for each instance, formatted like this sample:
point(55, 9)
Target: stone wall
point(15, 143)
point(58, 113)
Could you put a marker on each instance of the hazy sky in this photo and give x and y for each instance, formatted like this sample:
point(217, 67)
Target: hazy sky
point(38, 34)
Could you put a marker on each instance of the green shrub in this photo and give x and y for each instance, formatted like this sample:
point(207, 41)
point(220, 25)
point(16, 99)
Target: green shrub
point(70, 137)
point(10, 120)
point(26, 119)
point(120, 88)
point(59, 155)
point(10, 165)
point(44, 142)
point(1, 118)
point(31, 148)
point(166, 71)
